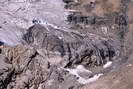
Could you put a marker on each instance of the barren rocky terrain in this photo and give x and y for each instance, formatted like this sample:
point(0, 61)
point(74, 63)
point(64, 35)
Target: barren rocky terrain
point(66, 44)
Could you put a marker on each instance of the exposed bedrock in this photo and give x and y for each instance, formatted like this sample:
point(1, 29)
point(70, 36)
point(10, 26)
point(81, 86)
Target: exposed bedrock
point(44, 51)
point(72, 48)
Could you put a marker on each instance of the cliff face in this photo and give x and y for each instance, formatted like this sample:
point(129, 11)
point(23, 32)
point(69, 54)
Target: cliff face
point(66, 44)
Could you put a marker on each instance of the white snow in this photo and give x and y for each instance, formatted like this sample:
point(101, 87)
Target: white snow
point(49, 24)
point(108, 64)
point(80, 68)
point(73, 72)
point(90, 80)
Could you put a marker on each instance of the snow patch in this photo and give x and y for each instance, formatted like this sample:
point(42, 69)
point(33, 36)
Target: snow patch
point(108, 64)
point(90, 80)
point(81, 80)
point(81, 68)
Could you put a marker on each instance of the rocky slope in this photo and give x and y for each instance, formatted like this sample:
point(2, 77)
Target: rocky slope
point(66, 44)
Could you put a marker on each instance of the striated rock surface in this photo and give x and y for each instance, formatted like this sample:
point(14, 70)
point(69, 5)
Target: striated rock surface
point(47, 55)
point(66, 44)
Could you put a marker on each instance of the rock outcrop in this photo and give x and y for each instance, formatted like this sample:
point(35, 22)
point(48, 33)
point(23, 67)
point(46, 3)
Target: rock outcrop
point(66, 47)
point(42, 62)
